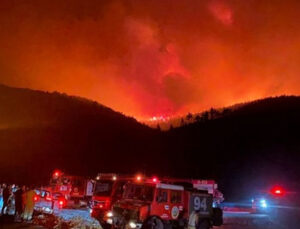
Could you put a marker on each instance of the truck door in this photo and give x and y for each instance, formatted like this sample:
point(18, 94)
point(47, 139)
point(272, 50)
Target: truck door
point(161, 206)
point(176, 203)
point(117, 192)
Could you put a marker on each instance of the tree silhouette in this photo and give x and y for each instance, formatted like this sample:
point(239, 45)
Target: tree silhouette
point(213, 113)
point(226, 112)
point(205, 116)
point(158, 127)
point(198, 118)
point(189, 116)
point(182, 122)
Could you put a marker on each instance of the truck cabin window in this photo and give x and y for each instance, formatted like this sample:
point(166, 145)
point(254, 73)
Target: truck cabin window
point(139, 192)
point(162, 196)
point(103, 188)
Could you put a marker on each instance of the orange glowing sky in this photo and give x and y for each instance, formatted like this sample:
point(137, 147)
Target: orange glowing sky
point(153, 57)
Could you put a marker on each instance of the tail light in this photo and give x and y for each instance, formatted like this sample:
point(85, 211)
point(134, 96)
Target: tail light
point(35, 198)
point(154, 179)
point(138, 178)
point(61, 203)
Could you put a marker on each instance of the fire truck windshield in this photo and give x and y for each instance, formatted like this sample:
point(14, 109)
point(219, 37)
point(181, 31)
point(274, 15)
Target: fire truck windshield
point(139, 192)
point(60, 181)
point(103, 188)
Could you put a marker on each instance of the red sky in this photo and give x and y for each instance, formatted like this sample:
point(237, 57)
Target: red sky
point(153, 57)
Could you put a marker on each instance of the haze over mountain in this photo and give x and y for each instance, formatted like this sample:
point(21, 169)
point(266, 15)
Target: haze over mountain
point(153, 57)
point(250, 147)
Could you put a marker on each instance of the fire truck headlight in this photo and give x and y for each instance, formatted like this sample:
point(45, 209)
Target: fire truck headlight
point(109, 221)
point(109, 214)
point(132, 224)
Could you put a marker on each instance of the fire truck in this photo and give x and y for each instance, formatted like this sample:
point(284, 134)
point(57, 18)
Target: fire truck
point(154, 204)
point(108, 189)
point(77, 190)
point(206, 185)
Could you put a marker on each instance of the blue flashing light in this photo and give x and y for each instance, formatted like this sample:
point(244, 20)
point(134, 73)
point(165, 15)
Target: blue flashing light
point(263, 203)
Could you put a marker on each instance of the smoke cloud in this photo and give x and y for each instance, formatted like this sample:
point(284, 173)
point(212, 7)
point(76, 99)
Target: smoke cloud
point(153, 58)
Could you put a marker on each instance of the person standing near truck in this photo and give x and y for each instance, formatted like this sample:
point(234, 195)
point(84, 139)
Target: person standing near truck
point(1, 196)
point(18, 203)
point(5, 196)
point(29, 204)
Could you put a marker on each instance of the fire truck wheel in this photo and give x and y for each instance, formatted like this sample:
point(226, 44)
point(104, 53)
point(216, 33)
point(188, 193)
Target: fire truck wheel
point(153, 223)
point(203, 224)
point(217, 216)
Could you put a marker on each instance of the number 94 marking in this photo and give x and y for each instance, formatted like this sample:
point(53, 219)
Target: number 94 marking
point(200, 204)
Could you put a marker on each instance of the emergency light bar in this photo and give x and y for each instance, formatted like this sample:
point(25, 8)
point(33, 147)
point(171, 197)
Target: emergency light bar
point(112, 176)
point(57, 173)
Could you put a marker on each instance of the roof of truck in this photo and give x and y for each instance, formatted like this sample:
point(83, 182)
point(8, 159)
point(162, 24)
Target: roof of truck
point(169, 186)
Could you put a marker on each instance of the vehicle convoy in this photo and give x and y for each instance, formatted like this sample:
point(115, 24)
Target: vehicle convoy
point(108, 189)
point(77, 190)
point(154, 204)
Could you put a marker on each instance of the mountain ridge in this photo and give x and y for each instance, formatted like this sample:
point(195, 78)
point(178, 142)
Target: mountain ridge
point(43, 101)
point(212, 113)
point(251, 146)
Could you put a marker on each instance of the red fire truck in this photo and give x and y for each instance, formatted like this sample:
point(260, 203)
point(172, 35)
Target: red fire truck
point(108, 189)
point(77, 190)
point(154, 204)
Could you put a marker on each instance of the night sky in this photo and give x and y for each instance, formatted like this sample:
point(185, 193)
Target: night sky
point(151, 58)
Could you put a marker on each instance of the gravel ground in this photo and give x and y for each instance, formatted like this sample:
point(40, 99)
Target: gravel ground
point(81, 219)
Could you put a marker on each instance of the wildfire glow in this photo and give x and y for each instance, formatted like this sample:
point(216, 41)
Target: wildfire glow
point(159, 119)
point(153, 58)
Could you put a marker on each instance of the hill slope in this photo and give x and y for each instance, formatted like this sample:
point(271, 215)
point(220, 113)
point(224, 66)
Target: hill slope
point(43, 131)
point(247, 148)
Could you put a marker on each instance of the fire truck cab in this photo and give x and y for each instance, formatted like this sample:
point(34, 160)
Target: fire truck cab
point(108, 188)
point(152, 204)
point(76, 190)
